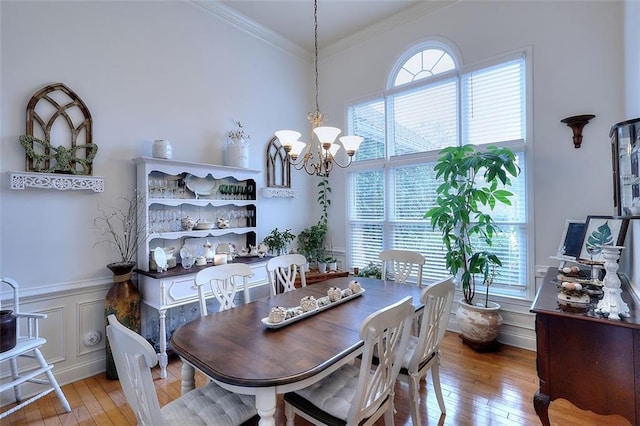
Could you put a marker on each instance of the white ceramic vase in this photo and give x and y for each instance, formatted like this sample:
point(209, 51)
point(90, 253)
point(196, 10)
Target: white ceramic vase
point(237, 154)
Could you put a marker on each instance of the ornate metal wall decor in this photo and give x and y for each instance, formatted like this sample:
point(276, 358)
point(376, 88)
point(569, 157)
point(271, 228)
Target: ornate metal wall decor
point(278, 165)
point(278, 171)
point(58, 133)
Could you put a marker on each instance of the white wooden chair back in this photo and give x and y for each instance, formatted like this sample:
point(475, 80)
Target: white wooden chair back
point(282, 272)
point(223, 282)
point(401, 265)
point(386, 335)
point(437, 299)
point(360, 395)
point(134, 357)
point(423, 353)
point(207, 405)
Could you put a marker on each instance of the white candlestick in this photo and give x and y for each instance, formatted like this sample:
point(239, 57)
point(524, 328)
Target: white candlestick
point(611, 303)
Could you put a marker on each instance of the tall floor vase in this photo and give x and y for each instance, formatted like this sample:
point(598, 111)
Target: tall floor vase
point(122, 300)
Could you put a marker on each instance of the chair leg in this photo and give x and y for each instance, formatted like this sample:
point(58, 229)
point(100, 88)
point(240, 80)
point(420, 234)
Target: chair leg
point(289, 414)
point(388, 415)
point(435, 376)
point(52, 380)
point(414, 397)
point(15, 375)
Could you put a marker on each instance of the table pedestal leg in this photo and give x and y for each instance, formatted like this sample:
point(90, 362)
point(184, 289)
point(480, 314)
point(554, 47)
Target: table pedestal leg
point(188, 377)
point(266, 406)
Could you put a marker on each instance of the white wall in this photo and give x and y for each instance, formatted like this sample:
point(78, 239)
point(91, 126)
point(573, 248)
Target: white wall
point(146, 70)
point(578, 68)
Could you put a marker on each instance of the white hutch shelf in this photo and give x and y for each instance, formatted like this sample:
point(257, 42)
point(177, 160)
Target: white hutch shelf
point(176, 189)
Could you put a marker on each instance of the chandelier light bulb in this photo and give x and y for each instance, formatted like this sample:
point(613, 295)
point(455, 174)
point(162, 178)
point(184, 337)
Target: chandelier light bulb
point(333, 149)
point(351, 143)
point(296, 149)
point(326, 135)
point(288, 138)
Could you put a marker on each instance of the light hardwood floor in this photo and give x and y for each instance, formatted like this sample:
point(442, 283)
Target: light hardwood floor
point(479, 389)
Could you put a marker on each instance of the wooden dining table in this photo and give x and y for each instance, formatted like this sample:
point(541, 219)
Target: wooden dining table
point(243, 355)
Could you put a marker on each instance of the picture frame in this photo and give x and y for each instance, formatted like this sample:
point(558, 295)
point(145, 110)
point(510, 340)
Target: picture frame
point(571, 239)
point(599, 231)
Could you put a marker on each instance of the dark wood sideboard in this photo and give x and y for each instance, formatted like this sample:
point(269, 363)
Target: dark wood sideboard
point(314, 276)
point(585, 358)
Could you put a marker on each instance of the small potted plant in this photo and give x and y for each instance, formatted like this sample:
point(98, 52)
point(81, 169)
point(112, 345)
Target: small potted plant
point(311, 241)
point(278, 241)
point(372, 270)
point(474, 182)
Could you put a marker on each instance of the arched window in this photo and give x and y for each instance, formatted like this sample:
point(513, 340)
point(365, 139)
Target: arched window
point(433, 101)
point(425, 63)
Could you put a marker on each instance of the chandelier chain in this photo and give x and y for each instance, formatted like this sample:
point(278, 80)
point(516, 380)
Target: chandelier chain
point(315, 23)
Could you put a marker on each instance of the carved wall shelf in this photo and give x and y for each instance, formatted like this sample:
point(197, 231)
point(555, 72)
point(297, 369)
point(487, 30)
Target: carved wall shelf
point(279, 192)
point(61, 182)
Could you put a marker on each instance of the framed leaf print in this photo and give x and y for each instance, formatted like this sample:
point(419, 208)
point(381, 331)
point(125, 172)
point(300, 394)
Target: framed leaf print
point(601, 231)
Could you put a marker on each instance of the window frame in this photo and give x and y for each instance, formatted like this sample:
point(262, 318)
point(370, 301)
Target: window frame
point(389, 162)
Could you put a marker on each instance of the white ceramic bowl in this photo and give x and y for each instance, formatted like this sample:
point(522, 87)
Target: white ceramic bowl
point(204, 225)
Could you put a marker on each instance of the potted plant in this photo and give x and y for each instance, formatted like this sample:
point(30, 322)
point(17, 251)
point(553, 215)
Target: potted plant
point(474, 182)
point(278, 241)
point(311, 240)
point(372, 270)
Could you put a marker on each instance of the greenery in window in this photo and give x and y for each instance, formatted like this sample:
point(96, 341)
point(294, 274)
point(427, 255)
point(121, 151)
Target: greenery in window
point(474, 183)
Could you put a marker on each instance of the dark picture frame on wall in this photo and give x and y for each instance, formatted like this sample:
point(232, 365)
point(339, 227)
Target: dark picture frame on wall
point(600, 231)
point(571, 240)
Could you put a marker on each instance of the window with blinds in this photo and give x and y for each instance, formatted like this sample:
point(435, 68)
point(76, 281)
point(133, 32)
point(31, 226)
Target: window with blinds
point(392, 181)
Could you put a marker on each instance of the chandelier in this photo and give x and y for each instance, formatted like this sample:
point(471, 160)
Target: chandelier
point(319, 154)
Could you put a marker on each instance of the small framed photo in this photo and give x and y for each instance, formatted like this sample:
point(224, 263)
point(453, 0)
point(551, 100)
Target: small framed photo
point(571, 240)
point(600, 231)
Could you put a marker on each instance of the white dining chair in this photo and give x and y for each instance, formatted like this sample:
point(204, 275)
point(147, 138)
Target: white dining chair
point(207, 405)
point(423, 351)
point(400, 264)
point(222, 281)
point(27, 346)
point(282, 272)
point(359, 395)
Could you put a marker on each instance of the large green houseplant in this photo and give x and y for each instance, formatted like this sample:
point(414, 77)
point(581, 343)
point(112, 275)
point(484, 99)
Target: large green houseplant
point(474, 182)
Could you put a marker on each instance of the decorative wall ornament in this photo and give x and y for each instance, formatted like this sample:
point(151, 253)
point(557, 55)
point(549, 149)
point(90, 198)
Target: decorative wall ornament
point(577, 122)
point(58, 133)
point(278, 171)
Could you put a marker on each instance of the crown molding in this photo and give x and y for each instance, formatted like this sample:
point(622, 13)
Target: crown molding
point(263, 33)
point(240, 21)
point(420, 10)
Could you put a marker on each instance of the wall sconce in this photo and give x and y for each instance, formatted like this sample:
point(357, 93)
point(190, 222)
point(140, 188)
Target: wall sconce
point(577, 122)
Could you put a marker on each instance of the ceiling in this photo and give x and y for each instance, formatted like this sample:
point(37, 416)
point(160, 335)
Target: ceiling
point(292, 20)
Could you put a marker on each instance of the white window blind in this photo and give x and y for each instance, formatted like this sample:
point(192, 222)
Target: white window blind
point(368, 120)
point(493, 104)
point(424, 120)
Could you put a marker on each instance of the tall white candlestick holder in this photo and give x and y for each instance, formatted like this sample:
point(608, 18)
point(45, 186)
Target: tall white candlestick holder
point(611, 303)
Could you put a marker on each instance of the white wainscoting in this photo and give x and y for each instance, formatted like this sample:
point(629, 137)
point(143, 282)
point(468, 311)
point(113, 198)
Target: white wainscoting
point(73, 312)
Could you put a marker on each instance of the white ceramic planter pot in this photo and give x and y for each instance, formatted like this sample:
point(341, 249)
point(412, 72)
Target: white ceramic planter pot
point(479, 325)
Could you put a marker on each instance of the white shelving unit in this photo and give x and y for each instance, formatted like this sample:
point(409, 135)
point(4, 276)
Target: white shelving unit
point(172, 190)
